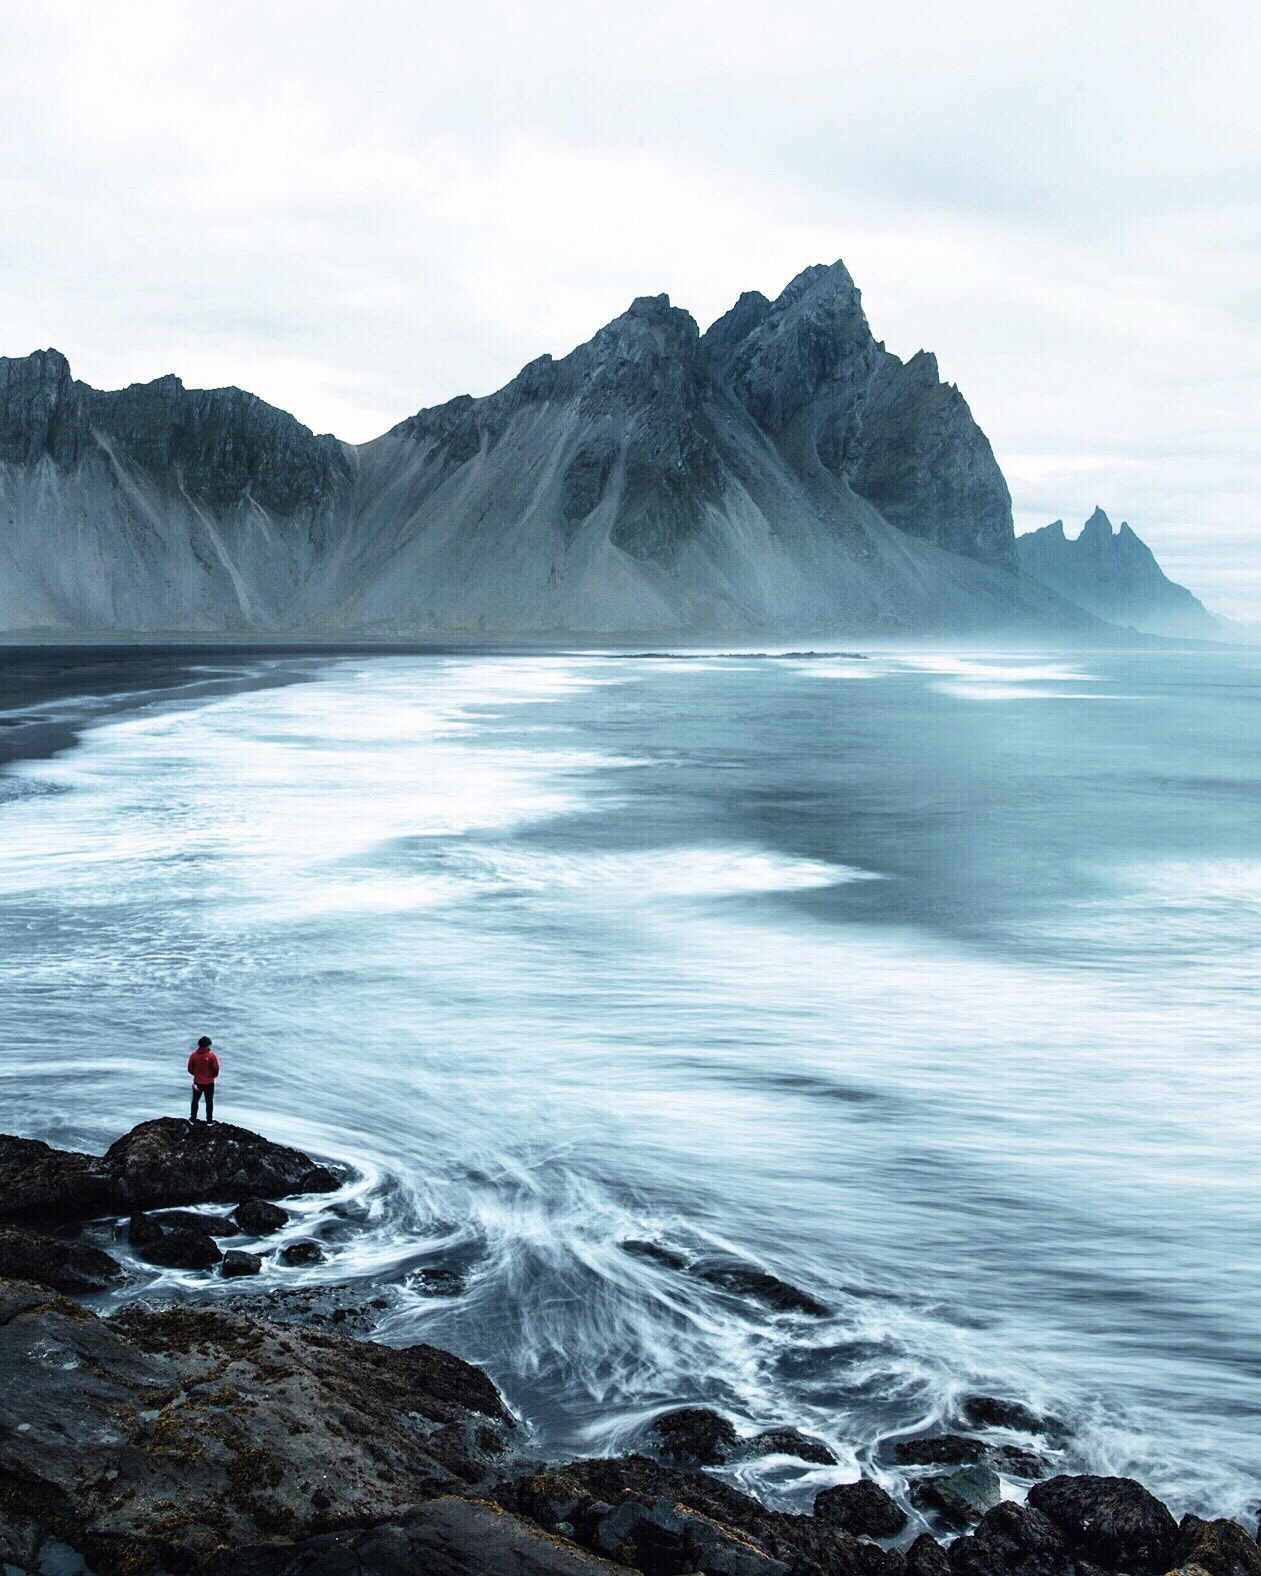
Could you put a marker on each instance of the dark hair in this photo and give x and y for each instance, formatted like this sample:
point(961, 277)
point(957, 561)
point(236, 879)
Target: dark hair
point(205, 1040)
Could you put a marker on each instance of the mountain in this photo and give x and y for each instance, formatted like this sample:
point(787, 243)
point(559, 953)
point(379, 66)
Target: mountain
point(1115, 576)
point(782, 472)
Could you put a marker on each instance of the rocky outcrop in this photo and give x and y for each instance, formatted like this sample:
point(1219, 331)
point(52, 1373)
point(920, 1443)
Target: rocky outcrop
point(74, 1267)
point(186, 1439)
point(661, 1521)
point(863, 1508)
point(782, 471)
point(1115, 576)
point(697, 1436)
point(155, 1438)
point(446, 1537)
point(962, 1496)
point(1112, 1522)
point(157, 1165)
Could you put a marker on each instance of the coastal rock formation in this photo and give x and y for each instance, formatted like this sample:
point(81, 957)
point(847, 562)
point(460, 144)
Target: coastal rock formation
point(446, 1537)
point(863, 1508)
point(73, 1267)
point(158, 1164)
point(187, 1439)
point(153, 1438)
point(1112, 1522)
point(781, 471)
point(1115, 576)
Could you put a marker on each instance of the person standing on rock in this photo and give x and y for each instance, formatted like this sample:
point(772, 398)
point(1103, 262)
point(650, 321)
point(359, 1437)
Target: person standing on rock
point(204, 1066)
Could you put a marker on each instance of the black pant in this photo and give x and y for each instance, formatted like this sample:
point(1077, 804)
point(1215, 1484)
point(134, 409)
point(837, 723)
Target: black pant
point(209, 1092)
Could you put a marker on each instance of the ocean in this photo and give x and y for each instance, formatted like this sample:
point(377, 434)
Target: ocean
point(922, 981)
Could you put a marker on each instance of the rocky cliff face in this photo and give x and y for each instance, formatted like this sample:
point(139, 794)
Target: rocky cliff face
point(1115, 576)
point(781, 472)
point(809, 372)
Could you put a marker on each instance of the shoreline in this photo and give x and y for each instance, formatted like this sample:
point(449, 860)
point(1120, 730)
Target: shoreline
point(659, 1508)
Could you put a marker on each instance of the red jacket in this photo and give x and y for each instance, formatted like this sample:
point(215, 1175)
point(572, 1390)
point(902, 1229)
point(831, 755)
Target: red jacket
point(204, 1066)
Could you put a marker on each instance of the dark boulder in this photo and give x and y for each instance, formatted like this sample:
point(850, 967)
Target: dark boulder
point(744, 1280)
point(259, 1218)
point(991, 1411)
point(39, 1183)
point(1112, 1522)
point(1218, 1548)
point(182, 1249)
point(74, 1267)
point(926, 1557)
point(1012, 1540)
point(154, 1439)
point(193, 1220)
point(652, 1516)
point(962, 1496)
point(170, 1162)
point(158, 1165)
point(1018, 1462)
point(237, 1262)
point(445, 1537)
point(439, 1282)
point(863, 1508)
point(304, 1252)
point(143, 1231)
point(790, 1442)
point(695, 1435)
point(939, 1450)
point(654, 1252)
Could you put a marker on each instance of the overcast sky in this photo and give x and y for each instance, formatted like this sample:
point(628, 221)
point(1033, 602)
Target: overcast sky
point(355, 210)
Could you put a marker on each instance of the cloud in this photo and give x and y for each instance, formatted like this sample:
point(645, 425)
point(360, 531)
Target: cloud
point(357, 213)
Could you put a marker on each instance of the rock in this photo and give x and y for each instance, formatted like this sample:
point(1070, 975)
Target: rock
point(661, 1519)
point(42, 1184)
point(304, 1252)
point(988, 1411)
point(445, 1537)
point(963, 1450)
point(155, 1438)
point(1019, 1463)
point(1217, 1548)
point(192, 1220)
point(143, 1231)
point(790, 1442)
point(171, 1162)
point(182, 1249)
point(157, 1165)
point(695, 1434)
point(1012, 1540)
point(926, 1557)
point(438, 1282)
point(74, 1267)
point(237, 1262)
point(666, 1257)
point(934, 1450)
point(963, 1496)
point(863, 1508)
point(1112, 1522)
point(746, 1281)
point(258, 1218)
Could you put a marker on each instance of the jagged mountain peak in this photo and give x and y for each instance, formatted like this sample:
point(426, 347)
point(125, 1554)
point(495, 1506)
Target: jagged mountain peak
point(1114, 574)
point(1098, 527)
point(819, 280)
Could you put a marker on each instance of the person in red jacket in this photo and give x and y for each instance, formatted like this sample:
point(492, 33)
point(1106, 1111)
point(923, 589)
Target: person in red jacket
point(204, 1066)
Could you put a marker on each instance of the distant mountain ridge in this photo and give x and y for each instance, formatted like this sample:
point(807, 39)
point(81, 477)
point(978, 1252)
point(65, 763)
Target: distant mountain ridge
point(781, 472)
point(1115, 576)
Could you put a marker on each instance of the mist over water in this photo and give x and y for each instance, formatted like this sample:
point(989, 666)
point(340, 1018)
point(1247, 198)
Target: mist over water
point(925, 983)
